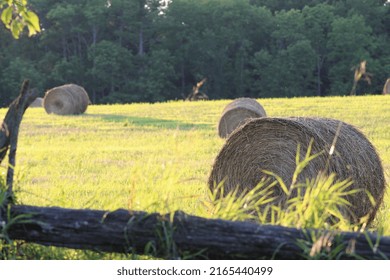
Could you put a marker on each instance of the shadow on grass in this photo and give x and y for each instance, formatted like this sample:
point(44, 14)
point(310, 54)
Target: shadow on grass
point(149, 122)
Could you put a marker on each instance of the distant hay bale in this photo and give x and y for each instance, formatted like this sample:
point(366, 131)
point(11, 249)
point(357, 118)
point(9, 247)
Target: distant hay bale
point(271, 144)
point(237, 113)
point(38, 102)
point(69, 99)
point(386, 87)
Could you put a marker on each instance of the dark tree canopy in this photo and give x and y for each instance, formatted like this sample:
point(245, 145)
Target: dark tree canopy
point(142, 50)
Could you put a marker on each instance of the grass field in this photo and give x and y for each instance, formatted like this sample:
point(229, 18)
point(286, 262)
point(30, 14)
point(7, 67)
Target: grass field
point(156, 157)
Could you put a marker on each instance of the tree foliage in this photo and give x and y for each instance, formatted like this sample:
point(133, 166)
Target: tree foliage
point(143, 50)
point(16, 16)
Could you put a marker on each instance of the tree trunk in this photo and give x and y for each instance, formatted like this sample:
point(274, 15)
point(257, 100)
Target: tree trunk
point(182, 80)
point(94, 35)
point(141, 50)
point(9, 132)
point(353, 90)
point(179, 235)
point(64, 48)
point(13, 118)
point(319, 65)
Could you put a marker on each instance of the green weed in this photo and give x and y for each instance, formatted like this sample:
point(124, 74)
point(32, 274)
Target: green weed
point(318, 206)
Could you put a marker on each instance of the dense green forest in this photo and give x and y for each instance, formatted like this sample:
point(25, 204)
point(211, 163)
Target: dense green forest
point(149, 50)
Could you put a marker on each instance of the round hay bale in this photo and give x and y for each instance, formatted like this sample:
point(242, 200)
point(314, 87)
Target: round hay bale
point(38, 102)
point(271, 144)
point(237, 113)
point(386, 87)
point(69, 99)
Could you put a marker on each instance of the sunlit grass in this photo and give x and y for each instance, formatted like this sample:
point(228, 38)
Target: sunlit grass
point(157, 157)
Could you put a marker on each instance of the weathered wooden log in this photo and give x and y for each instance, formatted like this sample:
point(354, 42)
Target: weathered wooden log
point(180, 235)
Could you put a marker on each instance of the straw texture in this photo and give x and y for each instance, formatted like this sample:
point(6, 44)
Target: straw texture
point(69, 99)
point(386, 87)
point(271, 144)
point(238, 113)
point(38, 102)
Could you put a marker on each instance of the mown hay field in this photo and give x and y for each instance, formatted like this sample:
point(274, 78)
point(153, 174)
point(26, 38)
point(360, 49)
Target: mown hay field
point(157, 157)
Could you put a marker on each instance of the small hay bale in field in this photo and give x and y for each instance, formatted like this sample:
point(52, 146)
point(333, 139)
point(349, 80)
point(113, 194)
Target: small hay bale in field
point(38, 102)
point(386, 87)
point(69, 99)
point(271, 144)
point(237, 113)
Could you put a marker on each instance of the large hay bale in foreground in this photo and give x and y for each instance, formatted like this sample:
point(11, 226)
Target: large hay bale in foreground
point(38, 102)
point(237, 113)
point(386, 87)
point(271, 144)
point(69, 99)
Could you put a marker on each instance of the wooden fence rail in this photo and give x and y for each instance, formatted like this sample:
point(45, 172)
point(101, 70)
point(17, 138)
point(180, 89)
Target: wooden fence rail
point(181, 235)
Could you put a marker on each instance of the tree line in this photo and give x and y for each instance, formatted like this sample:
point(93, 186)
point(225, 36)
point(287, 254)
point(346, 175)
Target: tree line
point(124, 51)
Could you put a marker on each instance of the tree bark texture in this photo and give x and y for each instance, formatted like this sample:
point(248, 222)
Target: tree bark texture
point(181, 235)
point(10, 126)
